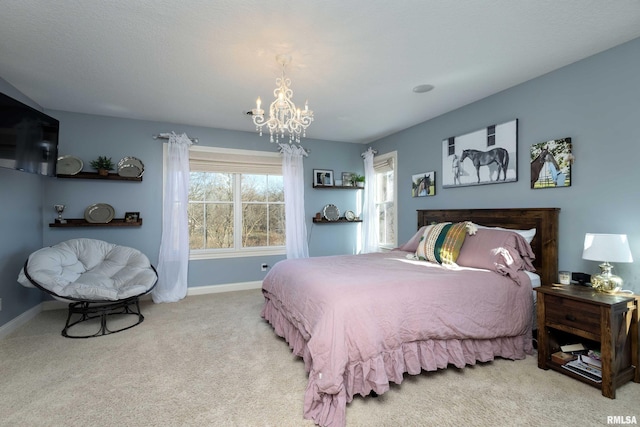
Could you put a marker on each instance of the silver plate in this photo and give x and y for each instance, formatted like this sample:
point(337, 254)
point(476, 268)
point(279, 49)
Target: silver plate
point(349, 216)
point(130, 167)
point(68, 165)
point(331, 212)
point(100, 213)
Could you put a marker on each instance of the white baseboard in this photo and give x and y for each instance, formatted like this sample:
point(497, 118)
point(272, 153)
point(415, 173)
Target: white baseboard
point(22, 319)
point(214, 289)
point(12, 325)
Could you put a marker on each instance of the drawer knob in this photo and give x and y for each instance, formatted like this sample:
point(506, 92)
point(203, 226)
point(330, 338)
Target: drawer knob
point(570, 317)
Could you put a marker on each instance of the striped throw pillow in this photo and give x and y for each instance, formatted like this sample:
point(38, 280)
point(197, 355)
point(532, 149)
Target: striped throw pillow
point(441, 242)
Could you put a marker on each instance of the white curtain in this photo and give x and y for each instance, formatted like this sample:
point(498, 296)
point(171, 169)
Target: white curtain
point(369, 216)
point(174, 247)
point(293, 177)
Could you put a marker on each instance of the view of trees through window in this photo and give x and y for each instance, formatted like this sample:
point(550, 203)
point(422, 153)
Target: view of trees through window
point(384, 200)
point(235, 211)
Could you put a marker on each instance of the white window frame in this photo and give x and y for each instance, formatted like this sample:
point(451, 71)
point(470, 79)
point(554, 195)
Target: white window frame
point(251, 169)
point(379, 162)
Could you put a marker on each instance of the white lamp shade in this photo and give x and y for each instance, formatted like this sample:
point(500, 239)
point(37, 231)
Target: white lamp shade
point(606, 247)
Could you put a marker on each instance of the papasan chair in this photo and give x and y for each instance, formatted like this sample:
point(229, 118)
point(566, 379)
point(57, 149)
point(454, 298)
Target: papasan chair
point(97, 278)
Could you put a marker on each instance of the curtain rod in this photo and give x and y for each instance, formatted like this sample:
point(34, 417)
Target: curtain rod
point(166, 135)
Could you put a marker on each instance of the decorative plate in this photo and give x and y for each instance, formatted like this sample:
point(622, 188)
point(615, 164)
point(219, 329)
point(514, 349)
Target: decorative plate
point(100, 213)
point(349, 216)
point(331, 213)
point(69, 165)
point(130, 167)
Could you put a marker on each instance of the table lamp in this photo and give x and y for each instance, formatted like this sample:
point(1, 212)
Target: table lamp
point(605, 248)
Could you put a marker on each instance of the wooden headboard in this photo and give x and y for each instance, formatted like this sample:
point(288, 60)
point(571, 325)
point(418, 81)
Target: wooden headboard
point(544, 220)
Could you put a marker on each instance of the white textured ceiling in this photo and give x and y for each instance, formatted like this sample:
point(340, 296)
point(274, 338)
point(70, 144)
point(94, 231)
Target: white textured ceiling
point(204, 62)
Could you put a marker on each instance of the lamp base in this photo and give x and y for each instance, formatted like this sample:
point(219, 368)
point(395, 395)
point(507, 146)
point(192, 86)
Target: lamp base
point(606, 281)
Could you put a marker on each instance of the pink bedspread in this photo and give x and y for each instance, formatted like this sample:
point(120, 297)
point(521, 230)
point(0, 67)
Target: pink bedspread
point(361, 321)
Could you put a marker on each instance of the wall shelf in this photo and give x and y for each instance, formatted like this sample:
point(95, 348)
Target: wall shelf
point(81, 222)
point(96, 175)
point(326, 221)
point(337, 187)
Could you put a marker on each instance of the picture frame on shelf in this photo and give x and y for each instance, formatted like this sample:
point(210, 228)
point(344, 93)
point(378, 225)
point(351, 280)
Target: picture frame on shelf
point(347, 179)
point(131, 216)
point(322, 178)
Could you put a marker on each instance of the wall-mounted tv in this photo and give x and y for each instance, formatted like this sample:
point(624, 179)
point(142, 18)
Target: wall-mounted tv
point(28, 138)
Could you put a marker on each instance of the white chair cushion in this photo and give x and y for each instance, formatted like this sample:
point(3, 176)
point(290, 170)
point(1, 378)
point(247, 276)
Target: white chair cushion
point(90, 269)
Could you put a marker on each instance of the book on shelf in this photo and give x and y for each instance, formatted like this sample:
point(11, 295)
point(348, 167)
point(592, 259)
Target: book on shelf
point(594, 354)
point(585, 370)
point(591, 361)
point(561, 358)
point(573, 348)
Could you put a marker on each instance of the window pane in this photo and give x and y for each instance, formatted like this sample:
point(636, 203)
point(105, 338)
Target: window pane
point(385, 203)
point(276, 225)
point(276, 189)
point(195, 214)
point(209, 186)
point(390, 186)
point(219, 187)
point(219, 228)
point(197, 185)
point(254, 188)
point(254, 225)
point(387, 224)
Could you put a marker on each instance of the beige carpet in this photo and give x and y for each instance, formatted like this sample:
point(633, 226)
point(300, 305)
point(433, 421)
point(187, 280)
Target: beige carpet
point(212, 361)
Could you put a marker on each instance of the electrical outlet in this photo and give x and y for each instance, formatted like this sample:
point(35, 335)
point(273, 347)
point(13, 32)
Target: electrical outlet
point(264, 267)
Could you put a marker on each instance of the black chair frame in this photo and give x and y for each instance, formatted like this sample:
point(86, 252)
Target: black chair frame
point(85, 310)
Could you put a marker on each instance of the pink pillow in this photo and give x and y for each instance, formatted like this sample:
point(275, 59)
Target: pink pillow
point(412, 244)
point(502, 251)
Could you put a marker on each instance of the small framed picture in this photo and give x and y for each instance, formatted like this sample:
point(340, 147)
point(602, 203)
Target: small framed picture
point(322, 178)
point(423, 184)
point(131, 216)
point(347, 179)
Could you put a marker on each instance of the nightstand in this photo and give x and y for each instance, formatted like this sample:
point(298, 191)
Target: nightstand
point(578, 314)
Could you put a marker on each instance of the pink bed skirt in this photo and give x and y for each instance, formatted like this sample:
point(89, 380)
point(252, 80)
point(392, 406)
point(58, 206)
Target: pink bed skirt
point(362, 377)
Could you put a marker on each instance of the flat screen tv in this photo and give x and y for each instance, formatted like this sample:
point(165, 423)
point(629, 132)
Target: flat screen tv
point(28, 138)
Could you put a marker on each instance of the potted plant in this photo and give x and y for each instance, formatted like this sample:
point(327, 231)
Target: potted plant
point(103, 165)
point(358, 180)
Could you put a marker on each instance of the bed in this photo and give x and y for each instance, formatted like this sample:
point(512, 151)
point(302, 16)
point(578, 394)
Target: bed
point(360, 322)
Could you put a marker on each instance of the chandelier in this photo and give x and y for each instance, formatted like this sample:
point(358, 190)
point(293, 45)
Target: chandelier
point(284, 117)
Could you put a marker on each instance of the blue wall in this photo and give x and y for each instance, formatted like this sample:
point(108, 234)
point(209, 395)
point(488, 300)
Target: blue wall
point(88, 136)
point(596, 102)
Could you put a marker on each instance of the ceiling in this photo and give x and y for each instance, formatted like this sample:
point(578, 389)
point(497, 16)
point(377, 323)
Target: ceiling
point(204, 62)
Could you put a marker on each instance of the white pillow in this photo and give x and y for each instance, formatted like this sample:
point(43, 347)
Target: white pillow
point(527, 234)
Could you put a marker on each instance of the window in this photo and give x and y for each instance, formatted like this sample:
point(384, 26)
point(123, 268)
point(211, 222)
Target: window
point(236, 203)
point(385, 199)
point(452, 146)
point(491, 135)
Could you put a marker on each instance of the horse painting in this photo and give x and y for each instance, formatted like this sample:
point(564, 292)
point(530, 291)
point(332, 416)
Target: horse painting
point(499, 156)
point(422, 185)
point(538, 163)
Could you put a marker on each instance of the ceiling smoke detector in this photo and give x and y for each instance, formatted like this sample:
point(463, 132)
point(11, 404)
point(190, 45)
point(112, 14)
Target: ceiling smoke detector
point(422, 88)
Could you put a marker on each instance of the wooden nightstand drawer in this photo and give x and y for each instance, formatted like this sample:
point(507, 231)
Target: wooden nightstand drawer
point(574, 314)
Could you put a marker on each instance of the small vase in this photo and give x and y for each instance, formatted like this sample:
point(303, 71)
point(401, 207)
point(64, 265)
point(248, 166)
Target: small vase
point(103, 172)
